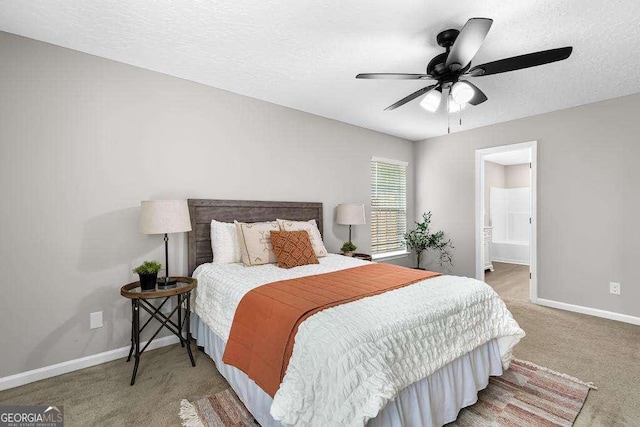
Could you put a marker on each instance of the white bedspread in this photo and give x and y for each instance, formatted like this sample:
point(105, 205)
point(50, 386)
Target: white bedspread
point(350, 360)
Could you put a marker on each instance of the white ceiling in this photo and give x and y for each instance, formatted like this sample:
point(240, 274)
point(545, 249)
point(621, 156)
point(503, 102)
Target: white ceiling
point(508, 158)
point(304, 54)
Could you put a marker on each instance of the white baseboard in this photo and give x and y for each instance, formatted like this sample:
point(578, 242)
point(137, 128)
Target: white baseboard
point(510, 261)
point(591, 311)
point(76, 364)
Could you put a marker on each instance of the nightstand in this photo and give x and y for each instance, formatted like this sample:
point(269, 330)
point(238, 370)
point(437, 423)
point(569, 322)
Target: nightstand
point(140, 299)
point(365, 257)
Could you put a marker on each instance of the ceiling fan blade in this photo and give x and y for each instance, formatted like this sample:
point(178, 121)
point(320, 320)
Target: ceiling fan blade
point(479, 97)
point(522, 61)
point(411, 97)
point(468, 42)
point(393, 76)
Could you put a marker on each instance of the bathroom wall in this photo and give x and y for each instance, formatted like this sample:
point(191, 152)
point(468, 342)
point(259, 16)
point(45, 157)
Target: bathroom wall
point(516, 176)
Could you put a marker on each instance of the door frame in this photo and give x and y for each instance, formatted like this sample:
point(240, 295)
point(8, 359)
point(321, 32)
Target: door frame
point(480, 204)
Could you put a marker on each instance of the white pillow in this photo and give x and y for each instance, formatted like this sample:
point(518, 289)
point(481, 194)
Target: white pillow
point(310, 227)
point(225, 244)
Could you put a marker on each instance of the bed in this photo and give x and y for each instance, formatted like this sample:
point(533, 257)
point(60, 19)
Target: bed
point(428, 364)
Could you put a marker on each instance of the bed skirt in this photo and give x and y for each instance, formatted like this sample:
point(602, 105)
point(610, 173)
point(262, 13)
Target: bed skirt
point(433, 401)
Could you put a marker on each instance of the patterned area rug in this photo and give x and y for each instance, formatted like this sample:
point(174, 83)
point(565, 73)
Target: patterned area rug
point(223, 409)
point(525, 395)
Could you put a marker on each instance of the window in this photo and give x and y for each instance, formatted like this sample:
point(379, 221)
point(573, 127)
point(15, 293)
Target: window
point(388, 206)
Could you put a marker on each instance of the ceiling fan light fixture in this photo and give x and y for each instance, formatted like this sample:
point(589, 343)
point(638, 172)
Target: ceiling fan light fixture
point(462, 92)
point(446, 69)
point(431, 100)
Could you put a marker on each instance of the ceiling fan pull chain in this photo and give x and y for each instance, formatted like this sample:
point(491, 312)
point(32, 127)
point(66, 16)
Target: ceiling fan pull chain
point(448, 117)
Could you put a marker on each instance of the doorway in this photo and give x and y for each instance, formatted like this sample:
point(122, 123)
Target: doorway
point(506, 238)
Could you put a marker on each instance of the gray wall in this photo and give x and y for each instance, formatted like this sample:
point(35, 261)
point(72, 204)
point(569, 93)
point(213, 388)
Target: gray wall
point(85, 139)
point(588, 198)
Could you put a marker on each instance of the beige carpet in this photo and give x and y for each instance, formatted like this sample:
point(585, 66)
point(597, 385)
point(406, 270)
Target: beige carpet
point(101, 395)
point(603, 351)
point(592, 349)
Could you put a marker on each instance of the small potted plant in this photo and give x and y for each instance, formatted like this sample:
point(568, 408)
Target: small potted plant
point(348, 248)
point(148, 272)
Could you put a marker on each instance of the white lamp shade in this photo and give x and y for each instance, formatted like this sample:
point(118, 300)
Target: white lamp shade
point(350, 214)
point(462, 92)
point(164, 216)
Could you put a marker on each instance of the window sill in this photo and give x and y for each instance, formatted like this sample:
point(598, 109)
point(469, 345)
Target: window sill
point(390, 255)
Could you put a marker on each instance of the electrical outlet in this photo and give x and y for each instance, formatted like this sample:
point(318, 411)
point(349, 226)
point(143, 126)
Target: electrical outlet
point(614, 288)
point(95, 320)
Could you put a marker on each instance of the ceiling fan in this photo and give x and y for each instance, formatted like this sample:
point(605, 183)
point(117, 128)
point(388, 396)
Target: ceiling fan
point(450, 69)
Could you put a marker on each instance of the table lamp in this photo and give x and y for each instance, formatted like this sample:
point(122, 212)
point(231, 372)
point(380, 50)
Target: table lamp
point(164, 217)
point(350, 214)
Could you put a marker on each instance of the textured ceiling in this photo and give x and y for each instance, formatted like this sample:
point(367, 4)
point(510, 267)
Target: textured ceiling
point(304, 54)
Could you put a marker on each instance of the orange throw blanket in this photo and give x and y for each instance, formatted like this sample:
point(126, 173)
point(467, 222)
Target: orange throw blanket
point(267, 319)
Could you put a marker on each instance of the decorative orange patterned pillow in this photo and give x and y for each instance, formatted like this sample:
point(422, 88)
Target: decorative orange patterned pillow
point(293, 248)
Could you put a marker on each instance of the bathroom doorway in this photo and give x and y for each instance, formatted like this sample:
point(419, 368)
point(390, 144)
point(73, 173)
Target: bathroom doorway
point(505, 219)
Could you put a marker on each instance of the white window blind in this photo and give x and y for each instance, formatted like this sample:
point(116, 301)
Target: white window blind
point(388, 205)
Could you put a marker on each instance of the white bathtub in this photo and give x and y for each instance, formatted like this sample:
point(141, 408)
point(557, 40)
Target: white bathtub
point(510, 251)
